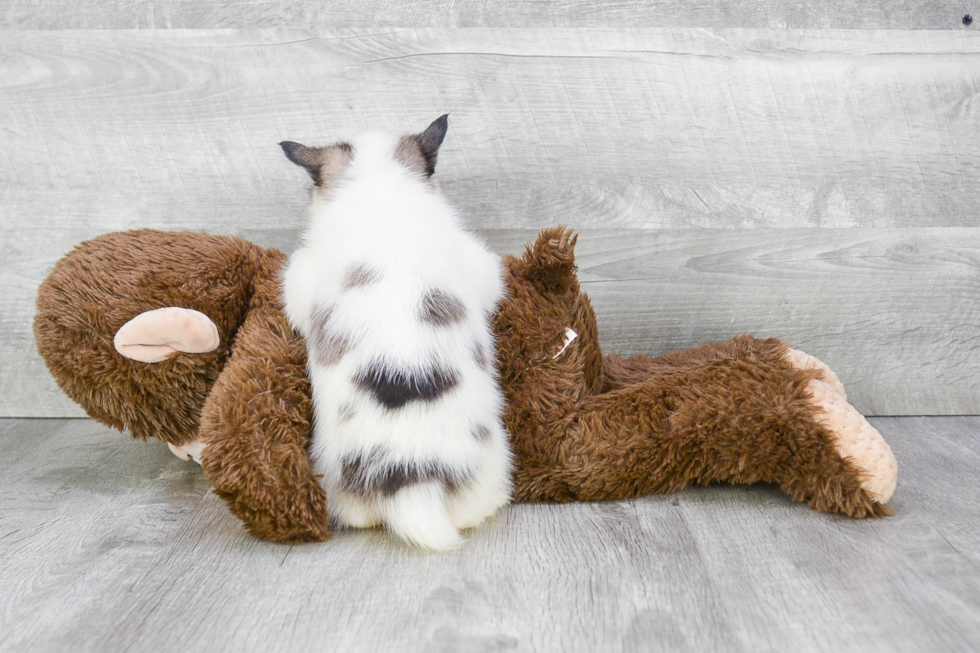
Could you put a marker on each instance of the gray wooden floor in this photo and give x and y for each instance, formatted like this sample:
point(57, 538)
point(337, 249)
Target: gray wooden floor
point(108, 544)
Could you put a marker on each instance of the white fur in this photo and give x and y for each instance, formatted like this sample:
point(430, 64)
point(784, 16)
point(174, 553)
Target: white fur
point(382, 215)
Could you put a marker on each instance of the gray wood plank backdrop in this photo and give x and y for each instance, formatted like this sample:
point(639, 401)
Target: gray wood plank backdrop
point(195, 14)
point(814, 184)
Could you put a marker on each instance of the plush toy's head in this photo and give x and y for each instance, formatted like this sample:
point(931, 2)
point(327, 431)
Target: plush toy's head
point(106, 282)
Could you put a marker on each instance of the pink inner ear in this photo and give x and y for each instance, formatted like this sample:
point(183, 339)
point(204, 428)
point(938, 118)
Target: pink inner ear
point(156, 335)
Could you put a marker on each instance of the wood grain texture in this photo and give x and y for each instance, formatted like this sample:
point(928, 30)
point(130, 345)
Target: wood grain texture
point(627, 128)
point(196, 14)
point(107, 544)
point(673, 133)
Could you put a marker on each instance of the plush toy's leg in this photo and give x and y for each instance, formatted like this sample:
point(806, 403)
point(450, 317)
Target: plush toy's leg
point(735, 412)
point(742, 411)
point(854, 437)
point(256, 423)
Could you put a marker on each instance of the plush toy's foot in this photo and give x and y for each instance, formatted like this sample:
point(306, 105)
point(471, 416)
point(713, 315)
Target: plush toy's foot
point(189, 451)
point(804, 361)
point(857, 441)
point(156, 335)
point(853, 436)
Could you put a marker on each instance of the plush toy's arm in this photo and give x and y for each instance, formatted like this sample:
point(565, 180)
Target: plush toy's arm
point(256, 423)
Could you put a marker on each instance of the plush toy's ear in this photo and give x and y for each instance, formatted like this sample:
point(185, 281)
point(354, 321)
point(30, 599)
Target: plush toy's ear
point(430, 140)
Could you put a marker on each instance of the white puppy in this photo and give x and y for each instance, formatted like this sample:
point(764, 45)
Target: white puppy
point(393, 298)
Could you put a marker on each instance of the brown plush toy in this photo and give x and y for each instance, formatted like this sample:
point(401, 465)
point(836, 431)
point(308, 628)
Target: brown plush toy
point(180, 336)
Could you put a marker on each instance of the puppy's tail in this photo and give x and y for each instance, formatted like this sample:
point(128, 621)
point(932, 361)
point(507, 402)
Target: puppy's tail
point(417, 514)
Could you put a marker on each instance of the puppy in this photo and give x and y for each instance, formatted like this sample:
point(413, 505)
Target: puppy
point(394, 298)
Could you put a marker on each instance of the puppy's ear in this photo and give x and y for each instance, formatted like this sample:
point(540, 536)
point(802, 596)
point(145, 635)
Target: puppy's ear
point(325, 164)
point(430, 140)
point(307, 157)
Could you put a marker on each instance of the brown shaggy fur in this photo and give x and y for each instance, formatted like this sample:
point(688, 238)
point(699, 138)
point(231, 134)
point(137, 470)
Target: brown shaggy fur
point(249, 399)
point(582, 427)
point(589, 429)
point(104, 283)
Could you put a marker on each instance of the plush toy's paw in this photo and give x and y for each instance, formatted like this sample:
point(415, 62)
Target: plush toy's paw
point(803, 361)
point(856, 440)
point(189, 451)
point(550, 262)
point(154, 336)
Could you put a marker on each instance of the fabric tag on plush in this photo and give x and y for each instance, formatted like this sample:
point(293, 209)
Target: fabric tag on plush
point(569, 337)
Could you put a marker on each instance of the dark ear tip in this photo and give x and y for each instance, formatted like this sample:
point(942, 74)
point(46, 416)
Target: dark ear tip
point(296, 152)
point(439, 126)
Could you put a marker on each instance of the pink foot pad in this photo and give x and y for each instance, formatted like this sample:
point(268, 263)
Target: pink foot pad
point(856, 440)
point(803, 361)
point(189, 451)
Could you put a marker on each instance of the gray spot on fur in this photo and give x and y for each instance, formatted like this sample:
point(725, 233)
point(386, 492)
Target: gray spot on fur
point(327, 345)
point(329, 348)
point(393, 388)
point(360, 275)
point(441, 308)
point(375, 472)
point(481, 433)
point(346, 412)
point(321, 317)
point(480, 355)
